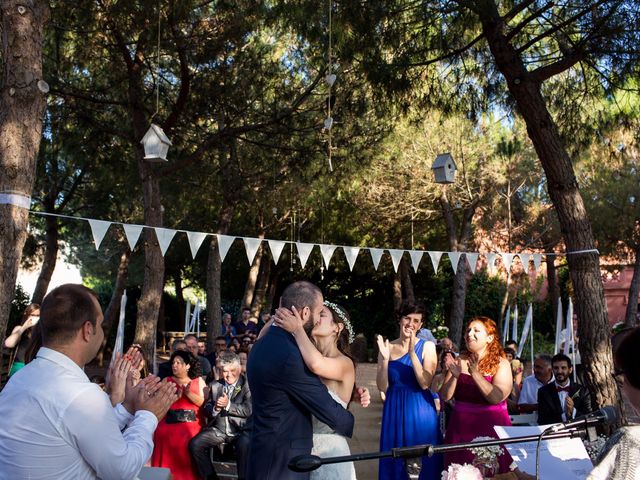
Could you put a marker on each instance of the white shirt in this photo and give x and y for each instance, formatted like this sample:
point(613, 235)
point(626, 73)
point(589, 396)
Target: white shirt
point(529, 391)
point(55, 424)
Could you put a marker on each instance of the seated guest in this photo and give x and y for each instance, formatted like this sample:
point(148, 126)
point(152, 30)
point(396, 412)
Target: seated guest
point(227, 408)
point(516, 371)
point(192, 345)
point(164, 368)
point(245, 325)
point(542, 374)
point(55, 423)
point(563, 399)
point(227, 331)
point(183, 420)
point(620, 457)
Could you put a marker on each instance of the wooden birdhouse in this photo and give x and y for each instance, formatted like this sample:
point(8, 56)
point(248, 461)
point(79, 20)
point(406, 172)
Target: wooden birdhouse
point(444, 168)
point(156, 144)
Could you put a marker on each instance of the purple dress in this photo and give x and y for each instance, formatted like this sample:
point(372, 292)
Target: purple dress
point(409, 418)
point(472, 416)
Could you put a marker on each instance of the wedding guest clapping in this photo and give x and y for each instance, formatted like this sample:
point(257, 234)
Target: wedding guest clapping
point(20, 337)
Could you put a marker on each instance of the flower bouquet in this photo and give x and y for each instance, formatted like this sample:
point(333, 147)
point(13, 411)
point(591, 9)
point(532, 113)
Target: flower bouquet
point(486, 458)
point(461, 472)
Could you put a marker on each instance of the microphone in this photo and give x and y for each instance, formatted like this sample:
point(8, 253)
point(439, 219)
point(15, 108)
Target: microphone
point(607, 415)
point(305, 463)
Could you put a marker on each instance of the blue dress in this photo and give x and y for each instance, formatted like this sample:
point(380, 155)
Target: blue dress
point(409, 418)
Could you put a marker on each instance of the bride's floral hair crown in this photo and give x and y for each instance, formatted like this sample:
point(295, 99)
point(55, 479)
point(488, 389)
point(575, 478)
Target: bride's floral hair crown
point(341, 313)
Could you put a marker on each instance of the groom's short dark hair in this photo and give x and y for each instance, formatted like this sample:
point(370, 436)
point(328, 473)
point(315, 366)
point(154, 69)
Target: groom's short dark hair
point(300, 294)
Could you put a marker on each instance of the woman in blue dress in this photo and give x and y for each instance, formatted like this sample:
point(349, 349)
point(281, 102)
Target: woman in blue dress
point(405, 369)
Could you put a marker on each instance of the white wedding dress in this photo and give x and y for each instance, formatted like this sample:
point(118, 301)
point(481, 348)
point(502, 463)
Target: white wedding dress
point(327, 443)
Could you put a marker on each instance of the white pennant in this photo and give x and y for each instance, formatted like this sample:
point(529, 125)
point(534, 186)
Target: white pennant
point(276, 247)
point(416, 256)
point(435, 260)
point(304, 250)
point(491, 262)
point(251, 246)
point(537, 260)
point(524, 259)
point(396, 256)
point(472, 260)
point(133, 234)
point(376, 255)
point(352, 254)
point(507, 260)
point(195, 241)
point(98, 230)
point(327, 253)
point(224, 244)
point(164, 236)
point(454, 257)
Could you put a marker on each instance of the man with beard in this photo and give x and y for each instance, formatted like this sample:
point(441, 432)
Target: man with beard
point(285, 394)
point(562, 400)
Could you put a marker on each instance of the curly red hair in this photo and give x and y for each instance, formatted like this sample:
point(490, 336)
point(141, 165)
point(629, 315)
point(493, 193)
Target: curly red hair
point(489, 362)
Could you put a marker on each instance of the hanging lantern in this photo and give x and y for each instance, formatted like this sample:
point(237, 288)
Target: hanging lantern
point(444, 168)
point(156, 144)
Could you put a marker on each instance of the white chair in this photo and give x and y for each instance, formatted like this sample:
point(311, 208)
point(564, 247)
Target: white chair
point(524, 419)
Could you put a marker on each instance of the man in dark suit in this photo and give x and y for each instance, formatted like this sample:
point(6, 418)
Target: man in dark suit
point(562, 400)
point(286, 394)
point(227, 408)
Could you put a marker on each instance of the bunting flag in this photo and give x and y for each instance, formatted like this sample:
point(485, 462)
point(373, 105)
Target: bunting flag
point(491, 263)
point(559, 322)
point(352, 254)
point(416, 256)
point(435, 260)
point(514, 328)
point(472, 260)
point(524, 259)
point(396, 256)
point(276, 247)
point(505, 327)
point(507, 259)
point(376, 255)
point(537, 260)
point(251, 246)
point(304, 250)
point(133, 234)
point(224, 244)
point(454, 258)
point(98, 230)
point(164, 236)
point(327, 253)
point(187, 314)
point(525, 330)
point(195, 241)
point(119, 345)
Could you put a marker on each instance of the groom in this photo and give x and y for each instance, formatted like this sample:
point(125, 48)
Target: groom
point(285, 394)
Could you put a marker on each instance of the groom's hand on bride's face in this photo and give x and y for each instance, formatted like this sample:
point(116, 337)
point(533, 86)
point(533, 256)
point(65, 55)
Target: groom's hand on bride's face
point(362, 396)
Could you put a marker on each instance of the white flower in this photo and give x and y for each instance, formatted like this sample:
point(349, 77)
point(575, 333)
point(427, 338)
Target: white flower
point(461, 472)
point(488, 453)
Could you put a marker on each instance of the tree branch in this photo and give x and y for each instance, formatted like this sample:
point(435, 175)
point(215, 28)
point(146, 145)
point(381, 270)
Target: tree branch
point(541, 74)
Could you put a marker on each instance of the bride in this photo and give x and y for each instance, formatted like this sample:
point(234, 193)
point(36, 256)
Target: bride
point(326, 355)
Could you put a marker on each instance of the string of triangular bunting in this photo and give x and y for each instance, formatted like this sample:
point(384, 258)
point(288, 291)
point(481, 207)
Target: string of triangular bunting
point(165, 236)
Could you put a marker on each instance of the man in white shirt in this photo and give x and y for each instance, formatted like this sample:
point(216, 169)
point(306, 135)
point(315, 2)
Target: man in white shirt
point(542, 374)
point(54, 423)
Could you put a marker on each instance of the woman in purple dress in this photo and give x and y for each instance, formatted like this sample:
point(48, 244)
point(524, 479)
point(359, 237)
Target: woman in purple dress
point(479, 381)
point(405, 371)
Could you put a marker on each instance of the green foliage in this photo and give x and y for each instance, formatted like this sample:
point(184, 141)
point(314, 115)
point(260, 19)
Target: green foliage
point(19, 302)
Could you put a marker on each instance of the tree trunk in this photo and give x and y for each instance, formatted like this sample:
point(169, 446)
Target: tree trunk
point(593, 326)
point(631, 316)
point(260, 294)
point(22, 105)
point(458, 300)
point(177, 282)
point(49, 261)
point(112, 311)
point(397, 292)
point(407, 284)
point(252, 277)
point(273, 287)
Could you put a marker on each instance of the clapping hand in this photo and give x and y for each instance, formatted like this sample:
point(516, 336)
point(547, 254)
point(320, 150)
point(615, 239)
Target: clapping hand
point(472, 363)
point(117, 379)
point(568, 407)
point(383, 347)
point(155, 396)
point(290, 320)
point(453, 365)
point(222, 402)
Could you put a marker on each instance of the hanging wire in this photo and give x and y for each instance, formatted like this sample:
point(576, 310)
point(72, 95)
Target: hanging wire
point(158, 64)
point(329, 119)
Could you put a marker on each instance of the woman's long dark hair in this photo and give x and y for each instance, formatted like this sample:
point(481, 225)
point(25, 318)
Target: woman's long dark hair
point(194, 364)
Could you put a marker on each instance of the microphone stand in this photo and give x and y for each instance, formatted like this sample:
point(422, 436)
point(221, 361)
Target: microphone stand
point(306, 463)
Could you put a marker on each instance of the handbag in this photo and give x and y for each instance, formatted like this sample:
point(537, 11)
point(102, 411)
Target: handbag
point(180, 416)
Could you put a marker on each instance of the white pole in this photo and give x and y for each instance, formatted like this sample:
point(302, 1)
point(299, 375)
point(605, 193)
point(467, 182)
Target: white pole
point(558, 326)
point(525, 331)
point(505, 328)
point(572, 337)
point(187, 314)
point(198, 322)
point(531, 337)
point(514, 330)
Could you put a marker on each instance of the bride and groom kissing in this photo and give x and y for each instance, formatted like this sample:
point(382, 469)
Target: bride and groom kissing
point(301, 388)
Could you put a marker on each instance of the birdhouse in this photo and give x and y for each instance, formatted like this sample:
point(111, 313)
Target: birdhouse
point(156, 144)
point(444, 168)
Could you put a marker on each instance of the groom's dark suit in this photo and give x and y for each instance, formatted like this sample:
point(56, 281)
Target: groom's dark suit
point(285, 394)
